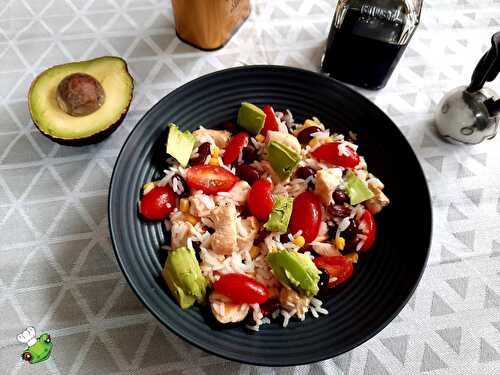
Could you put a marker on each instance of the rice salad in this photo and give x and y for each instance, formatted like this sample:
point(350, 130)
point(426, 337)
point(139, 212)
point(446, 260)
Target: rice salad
point(265, 215)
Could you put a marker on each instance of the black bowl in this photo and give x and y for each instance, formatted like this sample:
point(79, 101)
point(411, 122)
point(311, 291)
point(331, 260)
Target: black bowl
point(384, 278)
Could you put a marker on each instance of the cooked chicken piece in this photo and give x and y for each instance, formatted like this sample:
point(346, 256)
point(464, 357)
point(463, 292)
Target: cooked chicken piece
point(201, 205)
point(290, 300)
point(374, 182)
point(239, 192)
point(327, 180)
point(379, 201)
point(266, 166)
point(286, 139)
point(180, 230)
point(224, 239)
point(325, 249)
point(220, 137)
point(247, 231)
point(225, 311)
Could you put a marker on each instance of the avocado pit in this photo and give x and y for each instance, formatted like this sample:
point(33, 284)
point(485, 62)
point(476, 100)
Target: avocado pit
point(80, 94)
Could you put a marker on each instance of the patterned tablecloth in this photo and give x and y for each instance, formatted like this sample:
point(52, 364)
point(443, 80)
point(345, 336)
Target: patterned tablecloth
point(57, 268)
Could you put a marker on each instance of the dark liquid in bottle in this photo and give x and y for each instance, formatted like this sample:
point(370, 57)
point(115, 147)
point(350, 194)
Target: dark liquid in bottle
point(361, 60)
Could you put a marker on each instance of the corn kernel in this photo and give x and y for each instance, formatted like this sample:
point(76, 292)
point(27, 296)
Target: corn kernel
point(299, 241)
point(216, 152)
point(313, 142)
point(213, 161)
point(259, 138)
point(184, 205)
point(340, 243)
point(273, 293)
point(191, 219)
point(309, 123)
point(148, 186)
point(353, 257)
point(328, 140)
point(254, 251)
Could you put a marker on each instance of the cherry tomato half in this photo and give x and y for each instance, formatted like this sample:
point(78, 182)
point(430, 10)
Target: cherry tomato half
point(158, 203)
point(211, 179)
point(339, 267)
point(330, 153)
point(235, 147)
point(241, 289)
point(260, 199)
point(306, 215)
point(271, 122)
point(366, 225)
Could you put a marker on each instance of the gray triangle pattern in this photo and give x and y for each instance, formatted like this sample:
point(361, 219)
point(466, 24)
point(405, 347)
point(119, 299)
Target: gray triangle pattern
point(373, 365)
point(448, 257)
point(454, 213)
point(439, 307)
point(431, 361)
point(459, 285)
point(491, 299)
point(487, 352)
point(463, 171)
point(397, 345)
point(436, 162)
point(474, 195)
point(467, 238)
point(343, 362)
point(452, 336)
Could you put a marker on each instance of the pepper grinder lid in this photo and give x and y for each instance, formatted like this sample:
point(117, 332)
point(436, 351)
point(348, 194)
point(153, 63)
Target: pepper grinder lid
point(469, 115)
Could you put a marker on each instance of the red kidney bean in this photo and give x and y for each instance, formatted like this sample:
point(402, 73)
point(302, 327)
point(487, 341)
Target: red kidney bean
point(203, 152)
point(231, 127)
point(247, 173)
point(263, 233)
point(339, 196)
point(304, 172)
point(338, 210)
point(249, 154)
point(305, 136)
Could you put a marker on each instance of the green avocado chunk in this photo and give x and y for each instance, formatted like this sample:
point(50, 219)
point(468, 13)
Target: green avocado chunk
point(282, 158)
point(280, 215)
point(356, 189)
point(295, 270)
point(251, 117)
point(183, 276)
point(180, 144)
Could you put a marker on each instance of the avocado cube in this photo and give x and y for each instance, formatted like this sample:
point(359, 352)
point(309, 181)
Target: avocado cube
point(280, 215)
point(183, 276)
point(251, 118)
point(282, 158)
point(356, 189)
point(180, 144)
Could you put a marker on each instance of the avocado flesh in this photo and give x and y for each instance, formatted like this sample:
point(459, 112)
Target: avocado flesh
point(183, 276)
point(282, 158)
point(111, 72)
point(295, 270)
point(180, 144)
point(251, 118)
point(280, 215)
point(356, 189)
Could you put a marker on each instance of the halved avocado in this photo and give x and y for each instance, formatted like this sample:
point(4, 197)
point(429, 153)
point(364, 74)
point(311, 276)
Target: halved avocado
point(82, 102)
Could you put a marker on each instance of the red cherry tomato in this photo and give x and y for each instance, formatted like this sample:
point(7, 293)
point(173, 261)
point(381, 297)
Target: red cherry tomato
point(210, 178)
point(366, 225)
point(241, 289)
point(330, 153)
point(306, 215)
point(158, 203)
point(235, 147)
point(271, 122)
point(261, 199)
point(339, 267)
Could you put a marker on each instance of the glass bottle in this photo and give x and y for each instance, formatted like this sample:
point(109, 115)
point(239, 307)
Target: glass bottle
point(367, 39)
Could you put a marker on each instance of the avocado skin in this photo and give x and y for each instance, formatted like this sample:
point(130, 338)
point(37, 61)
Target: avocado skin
point(94, 138)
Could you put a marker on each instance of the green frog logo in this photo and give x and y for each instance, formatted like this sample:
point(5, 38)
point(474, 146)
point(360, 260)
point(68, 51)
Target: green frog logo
point(38, 349)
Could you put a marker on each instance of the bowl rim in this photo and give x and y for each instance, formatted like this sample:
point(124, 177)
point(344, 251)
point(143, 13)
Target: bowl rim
point(221, 353)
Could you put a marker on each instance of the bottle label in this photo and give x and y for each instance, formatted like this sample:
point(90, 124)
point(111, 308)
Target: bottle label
point(372, 11)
